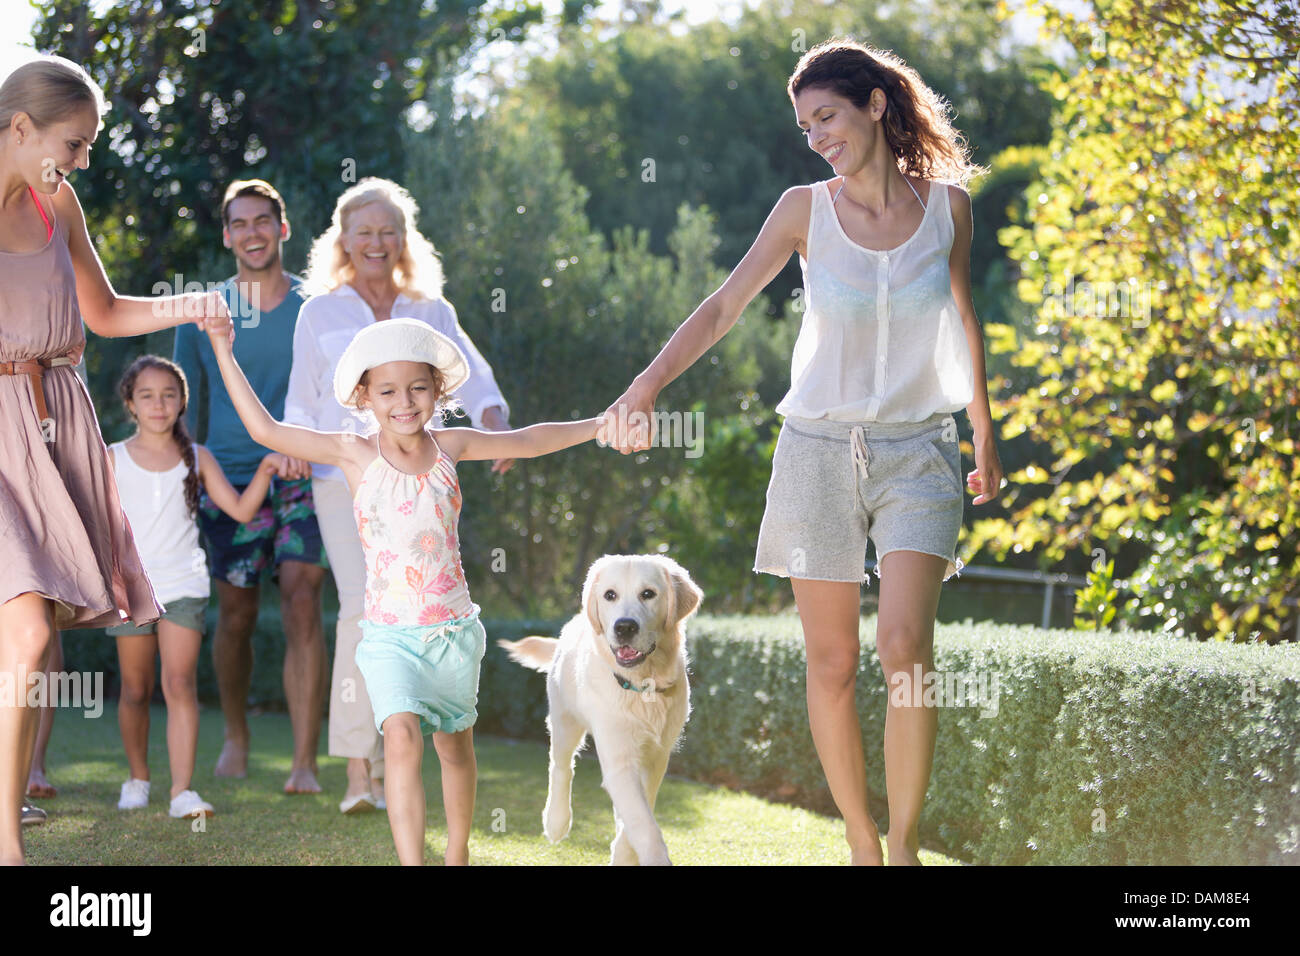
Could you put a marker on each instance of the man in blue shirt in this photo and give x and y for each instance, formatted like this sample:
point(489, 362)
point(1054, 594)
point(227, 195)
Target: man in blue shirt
point(264, 301)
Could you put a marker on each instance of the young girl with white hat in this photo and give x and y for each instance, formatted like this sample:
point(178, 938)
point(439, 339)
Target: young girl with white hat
point(423, 640)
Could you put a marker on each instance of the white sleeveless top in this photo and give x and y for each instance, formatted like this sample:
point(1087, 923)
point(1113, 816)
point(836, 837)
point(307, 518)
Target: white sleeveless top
point(881, 339)
point(165, 534)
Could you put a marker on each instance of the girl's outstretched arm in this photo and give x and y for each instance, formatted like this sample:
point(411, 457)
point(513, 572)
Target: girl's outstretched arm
point(242, 507)
point(470, 444)
point(326, 448)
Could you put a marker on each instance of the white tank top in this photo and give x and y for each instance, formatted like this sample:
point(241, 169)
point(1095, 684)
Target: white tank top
point(881, 339)
point(165, 534)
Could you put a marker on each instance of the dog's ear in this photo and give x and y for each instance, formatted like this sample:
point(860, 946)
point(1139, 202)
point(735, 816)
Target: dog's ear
point(686, 594)
point(591, 596)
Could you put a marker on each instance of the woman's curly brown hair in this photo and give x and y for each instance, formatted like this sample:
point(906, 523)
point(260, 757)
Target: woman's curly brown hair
point(915, 120)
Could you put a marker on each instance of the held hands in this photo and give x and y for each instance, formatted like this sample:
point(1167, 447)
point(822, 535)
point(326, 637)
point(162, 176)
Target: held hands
point(213, 317)
point(629, 422)
point(986, 480)
point(283, 466)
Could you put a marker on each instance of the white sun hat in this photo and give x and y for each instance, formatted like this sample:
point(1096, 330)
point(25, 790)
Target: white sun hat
point(398, 340)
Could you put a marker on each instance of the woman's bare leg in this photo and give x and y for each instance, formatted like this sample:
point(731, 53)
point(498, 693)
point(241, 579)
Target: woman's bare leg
point(38, 782)
point(26, 632)
point(829, 613)
point(909, 601)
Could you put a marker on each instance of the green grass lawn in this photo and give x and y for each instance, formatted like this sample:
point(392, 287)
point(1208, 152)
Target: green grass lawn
point(256, 824)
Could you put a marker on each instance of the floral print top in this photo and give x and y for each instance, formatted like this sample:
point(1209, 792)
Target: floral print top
point(408, 532)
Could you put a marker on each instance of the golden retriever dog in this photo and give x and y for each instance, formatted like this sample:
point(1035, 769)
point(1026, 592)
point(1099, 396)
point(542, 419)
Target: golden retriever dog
point(618, 672)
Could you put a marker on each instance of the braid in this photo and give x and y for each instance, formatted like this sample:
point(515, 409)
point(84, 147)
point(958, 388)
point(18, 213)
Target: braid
point(181, 435)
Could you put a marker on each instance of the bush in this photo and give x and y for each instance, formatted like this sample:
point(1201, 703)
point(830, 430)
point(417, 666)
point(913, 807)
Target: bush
point(1103, 748)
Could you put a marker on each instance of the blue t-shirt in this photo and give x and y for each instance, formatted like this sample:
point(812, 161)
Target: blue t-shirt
point(264, 350)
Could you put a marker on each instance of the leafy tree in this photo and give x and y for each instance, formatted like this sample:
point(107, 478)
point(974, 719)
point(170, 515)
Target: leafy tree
point(308, 94)
point(566, 320)
point(708, 107)
point(1160, 250)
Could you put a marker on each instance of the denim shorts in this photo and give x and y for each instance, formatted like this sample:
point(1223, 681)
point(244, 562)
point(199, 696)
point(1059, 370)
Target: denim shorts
point(836, 484)
point(190, 612)
point(428, 670)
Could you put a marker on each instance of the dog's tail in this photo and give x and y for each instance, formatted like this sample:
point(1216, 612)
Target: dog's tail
point(534, 652)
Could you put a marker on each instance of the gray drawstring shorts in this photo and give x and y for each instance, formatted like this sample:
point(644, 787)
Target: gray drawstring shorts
point(836, 484)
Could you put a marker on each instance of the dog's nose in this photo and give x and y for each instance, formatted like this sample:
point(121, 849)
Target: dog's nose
point(625, 628)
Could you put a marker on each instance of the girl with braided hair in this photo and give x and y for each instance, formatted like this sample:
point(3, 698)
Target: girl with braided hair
point(159, 470)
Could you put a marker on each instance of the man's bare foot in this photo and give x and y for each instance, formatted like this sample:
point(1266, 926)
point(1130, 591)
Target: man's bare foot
point(302, 780)
point(38, 787)
point(233, 761)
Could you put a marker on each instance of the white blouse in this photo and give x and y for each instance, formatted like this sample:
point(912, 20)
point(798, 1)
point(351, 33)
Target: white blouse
point(881, 339)
point(326, 325)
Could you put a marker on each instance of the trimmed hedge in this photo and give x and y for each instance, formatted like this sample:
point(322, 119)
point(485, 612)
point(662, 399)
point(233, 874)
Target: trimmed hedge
point(1123, 748)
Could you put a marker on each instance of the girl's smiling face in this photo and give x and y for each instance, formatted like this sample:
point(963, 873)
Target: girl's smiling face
point(155, 400)
point(49, 155)
point(835, 129)
point(373, 240)
point(402, 395)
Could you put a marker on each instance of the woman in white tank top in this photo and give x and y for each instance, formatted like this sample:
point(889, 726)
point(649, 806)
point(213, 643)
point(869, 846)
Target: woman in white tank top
point(889, 348)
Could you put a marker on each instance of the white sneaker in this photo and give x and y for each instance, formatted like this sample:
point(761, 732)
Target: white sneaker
point(187, 803)
point(135, 795)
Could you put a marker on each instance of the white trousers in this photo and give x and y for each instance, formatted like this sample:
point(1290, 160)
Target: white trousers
point(352, 730)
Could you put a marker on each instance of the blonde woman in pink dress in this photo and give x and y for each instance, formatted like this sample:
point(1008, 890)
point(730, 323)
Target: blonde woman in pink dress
point(71, 561)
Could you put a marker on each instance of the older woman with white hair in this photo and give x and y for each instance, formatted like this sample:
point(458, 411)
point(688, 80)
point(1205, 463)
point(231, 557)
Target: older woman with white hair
point(371, 265)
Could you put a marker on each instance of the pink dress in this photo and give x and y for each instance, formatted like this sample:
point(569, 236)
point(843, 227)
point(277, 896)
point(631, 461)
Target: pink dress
point(408, 529)
point(65, 536)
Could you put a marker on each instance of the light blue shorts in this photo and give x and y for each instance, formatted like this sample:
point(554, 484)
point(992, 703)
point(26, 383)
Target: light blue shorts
point(430, 671)
point(836, 484)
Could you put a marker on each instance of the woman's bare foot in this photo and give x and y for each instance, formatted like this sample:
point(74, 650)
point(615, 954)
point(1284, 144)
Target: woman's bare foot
point(456, 856)
point(38, 787)
point(903, 856)
point(302, 780)
point(358, 777)
point(233, 761)
point(865, 848)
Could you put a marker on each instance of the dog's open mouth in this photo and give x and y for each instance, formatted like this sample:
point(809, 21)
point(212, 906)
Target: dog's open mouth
point(629, 656)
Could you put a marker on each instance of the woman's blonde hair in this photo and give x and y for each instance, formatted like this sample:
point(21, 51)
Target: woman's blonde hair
point(417, 272)
point(915, 120)
point(49, 89)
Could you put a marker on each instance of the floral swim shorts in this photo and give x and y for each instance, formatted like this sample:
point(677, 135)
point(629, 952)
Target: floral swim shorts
point(836, 484)
point(284, 529)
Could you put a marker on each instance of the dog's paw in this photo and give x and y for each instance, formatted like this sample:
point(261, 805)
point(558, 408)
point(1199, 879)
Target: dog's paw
point(556, 822)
